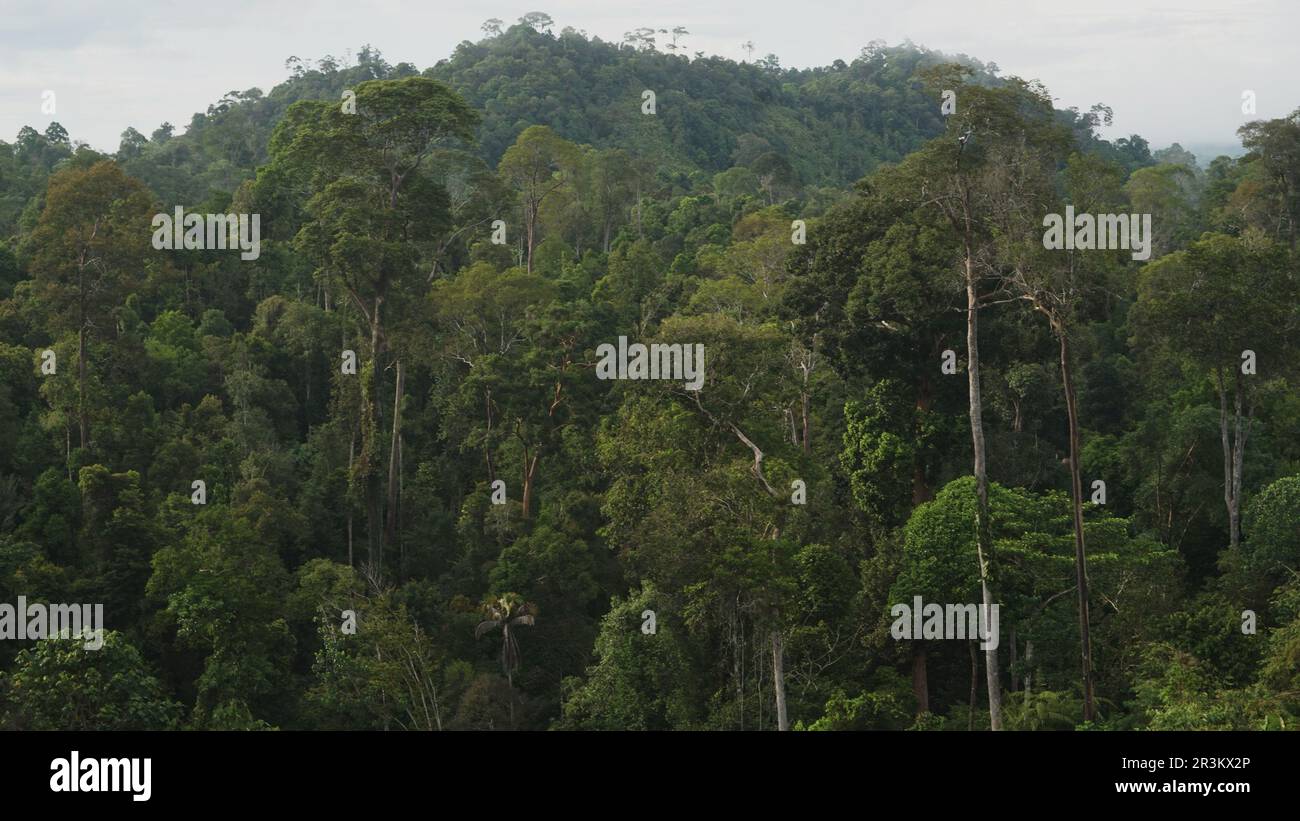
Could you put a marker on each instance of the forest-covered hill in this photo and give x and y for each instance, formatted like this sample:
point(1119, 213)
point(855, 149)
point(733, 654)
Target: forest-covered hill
point(830, 125)
point(373, 475)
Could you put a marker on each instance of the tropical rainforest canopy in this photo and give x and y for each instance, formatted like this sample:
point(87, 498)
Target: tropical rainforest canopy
point(369, 479)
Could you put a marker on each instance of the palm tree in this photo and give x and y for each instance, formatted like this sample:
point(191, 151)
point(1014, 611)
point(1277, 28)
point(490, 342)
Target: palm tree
point(508, 610)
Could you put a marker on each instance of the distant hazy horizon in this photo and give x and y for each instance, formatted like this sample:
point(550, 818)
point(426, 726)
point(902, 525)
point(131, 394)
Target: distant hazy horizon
point(1208, 151)
point(1172, 72)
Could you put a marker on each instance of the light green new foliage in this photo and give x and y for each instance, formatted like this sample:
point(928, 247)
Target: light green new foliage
point(640, 681)
point(60, 685)
point(1273, 528)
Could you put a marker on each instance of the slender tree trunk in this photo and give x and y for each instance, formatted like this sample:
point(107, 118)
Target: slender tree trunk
point(83, 417)
point(759, 704)
point(1238, 455)
point(510, 686)
point(1289, 197)
point(1238, 466)
point(920, 677)
point(1011, 668)
point(807, 422)
point(640, 231)
point(921, 491)
point(1029, 669)
point(1228, 455)
point(778, 679)
point(1080, 553)
point(983, 525)
point(974, 684)
point(394, 458)
point(532, 231)
point(401, 490)
point(738, 661)
point(352, 449)
point(1234, 452)
point(370, 447)
point(487, 440)
point(530, 470)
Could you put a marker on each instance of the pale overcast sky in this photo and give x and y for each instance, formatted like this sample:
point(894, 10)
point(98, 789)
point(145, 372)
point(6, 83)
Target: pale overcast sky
point(1172, 70)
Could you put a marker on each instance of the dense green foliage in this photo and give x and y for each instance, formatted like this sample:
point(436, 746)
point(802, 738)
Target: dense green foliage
point(663, 558)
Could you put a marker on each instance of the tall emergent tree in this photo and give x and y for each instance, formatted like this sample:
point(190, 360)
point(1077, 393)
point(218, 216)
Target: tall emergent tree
point(374, 216)
point(536, 166)
point(1225, 308)
point(87, 252)
point(1275, 144)
point(1056, 284)
point(961, 175)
